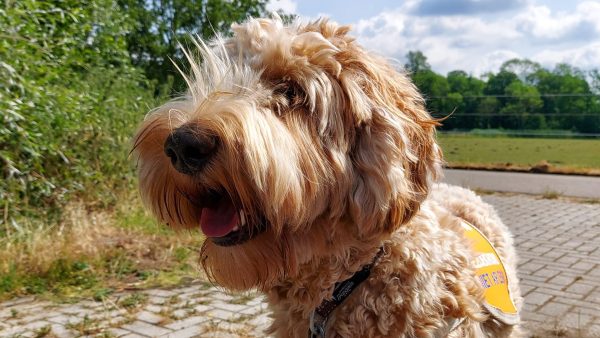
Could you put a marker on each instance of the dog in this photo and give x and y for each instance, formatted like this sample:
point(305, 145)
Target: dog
point(310, 165)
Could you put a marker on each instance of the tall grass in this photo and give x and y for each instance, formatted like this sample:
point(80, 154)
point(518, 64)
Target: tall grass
point(92, 252)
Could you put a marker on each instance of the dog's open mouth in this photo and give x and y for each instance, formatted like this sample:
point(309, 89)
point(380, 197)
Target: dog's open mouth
point(226, 224)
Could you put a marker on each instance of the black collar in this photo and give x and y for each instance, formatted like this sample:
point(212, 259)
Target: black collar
point(319, 317)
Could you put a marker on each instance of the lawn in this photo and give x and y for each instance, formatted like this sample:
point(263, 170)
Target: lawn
point(512, 153)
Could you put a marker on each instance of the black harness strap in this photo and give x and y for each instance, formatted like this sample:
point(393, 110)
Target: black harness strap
point(341, 291)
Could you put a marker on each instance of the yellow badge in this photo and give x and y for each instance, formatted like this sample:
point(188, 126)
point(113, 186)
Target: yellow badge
point(491, 274)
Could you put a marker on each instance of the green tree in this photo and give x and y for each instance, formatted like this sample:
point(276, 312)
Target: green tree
point(567, 98)
point(522, 67)
point(470, 89)
point(160, 25)
point(522, 108)
point(435, 88)
point(416, 62)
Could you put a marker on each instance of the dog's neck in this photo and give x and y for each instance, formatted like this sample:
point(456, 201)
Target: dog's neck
point(314, 280)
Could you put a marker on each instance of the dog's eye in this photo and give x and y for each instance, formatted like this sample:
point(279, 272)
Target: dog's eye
point(291, 92)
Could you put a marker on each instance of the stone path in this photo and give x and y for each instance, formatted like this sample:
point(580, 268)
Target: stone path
point(558, 243)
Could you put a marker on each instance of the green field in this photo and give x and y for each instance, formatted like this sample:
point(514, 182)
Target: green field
point(564, 155)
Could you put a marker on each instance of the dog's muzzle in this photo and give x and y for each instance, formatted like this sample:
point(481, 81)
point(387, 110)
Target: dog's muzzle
point(190, 148)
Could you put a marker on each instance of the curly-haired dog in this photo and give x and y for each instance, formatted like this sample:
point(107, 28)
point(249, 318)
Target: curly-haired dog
point(309, 164)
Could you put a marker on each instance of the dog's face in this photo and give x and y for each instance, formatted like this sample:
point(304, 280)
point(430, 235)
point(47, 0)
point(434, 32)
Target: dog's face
point(290, 139)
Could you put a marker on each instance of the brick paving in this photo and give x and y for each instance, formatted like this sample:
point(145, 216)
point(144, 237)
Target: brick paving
point(558, 243)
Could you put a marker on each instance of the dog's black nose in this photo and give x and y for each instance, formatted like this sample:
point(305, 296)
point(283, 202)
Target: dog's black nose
point(190, 148)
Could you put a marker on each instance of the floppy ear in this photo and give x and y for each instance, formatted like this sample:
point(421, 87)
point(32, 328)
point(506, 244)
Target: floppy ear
point(395, 156)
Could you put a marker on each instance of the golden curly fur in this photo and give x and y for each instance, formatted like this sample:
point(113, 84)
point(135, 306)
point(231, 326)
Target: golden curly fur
point(331, 148)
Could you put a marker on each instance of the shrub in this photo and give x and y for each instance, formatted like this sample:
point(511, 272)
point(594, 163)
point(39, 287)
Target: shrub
point(69, 102)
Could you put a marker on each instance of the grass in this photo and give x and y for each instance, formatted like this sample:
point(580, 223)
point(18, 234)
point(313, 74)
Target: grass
point(134, 300)
point(550, 194)
point(42, 332)
point(570, 156)
point(92, 253)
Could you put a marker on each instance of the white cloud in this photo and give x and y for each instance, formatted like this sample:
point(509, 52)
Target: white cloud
point(479, 43)
point(287, 6)
point(540, 22)
point(585, 57)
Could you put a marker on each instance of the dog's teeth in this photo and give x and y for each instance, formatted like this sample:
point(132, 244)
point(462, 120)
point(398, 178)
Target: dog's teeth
point(235, 228)
point(242, 217)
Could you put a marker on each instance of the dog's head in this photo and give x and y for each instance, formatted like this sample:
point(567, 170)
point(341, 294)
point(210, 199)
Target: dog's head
point(290, 139)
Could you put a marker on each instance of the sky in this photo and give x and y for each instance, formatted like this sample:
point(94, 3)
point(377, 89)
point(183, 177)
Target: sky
point(476, 36)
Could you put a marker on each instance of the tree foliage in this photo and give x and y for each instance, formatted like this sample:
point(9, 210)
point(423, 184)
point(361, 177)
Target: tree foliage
point(159, 26)
point(521, 95)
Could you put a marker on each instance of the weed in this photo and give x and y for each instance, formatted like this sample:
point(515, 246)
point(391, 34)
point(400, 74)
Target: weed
point(102, 294)
point(241, 319)
point(42, 331)
point(87, 326)
point(242, 299)
point(181, 254)
point(550, 194)
point(168, 314)
point(106, 334)
point(134, 300)
point(173, 300)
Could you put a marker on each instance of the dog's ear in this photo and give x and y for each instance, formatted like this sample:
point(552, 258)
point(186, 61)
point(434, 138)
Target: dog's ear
point(394, 154)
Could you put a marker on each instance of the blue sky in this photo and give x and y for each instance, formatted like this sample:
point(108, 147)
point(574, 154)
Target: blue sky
point(473, 35)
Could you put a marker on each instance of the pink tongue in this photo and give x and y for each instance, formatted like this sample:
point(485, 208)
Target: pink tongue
point(219, 221)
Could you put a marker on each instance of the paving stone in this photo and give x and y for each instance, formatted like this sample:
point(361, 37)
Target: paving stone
point(183, 323)
point(149, 317)
point(133, 335)
point(191, 331)
point(580, 288)
point(537, 298)
point(229, 307)
point(221, 314)
point(157, 300)
point(63, 319)
point(59, 331)
point(116, 332)
point(547, 273)
point(561, 280)
point(153, 308)
point(261, 321)
point(144, 328)
point(575, 319)
point(554, 310)
point(75, 310)
point(529, 316)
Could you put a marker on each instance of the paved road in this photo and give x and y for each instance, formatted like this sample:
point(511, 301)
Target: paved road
point(558, 242)
point(528, 183)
